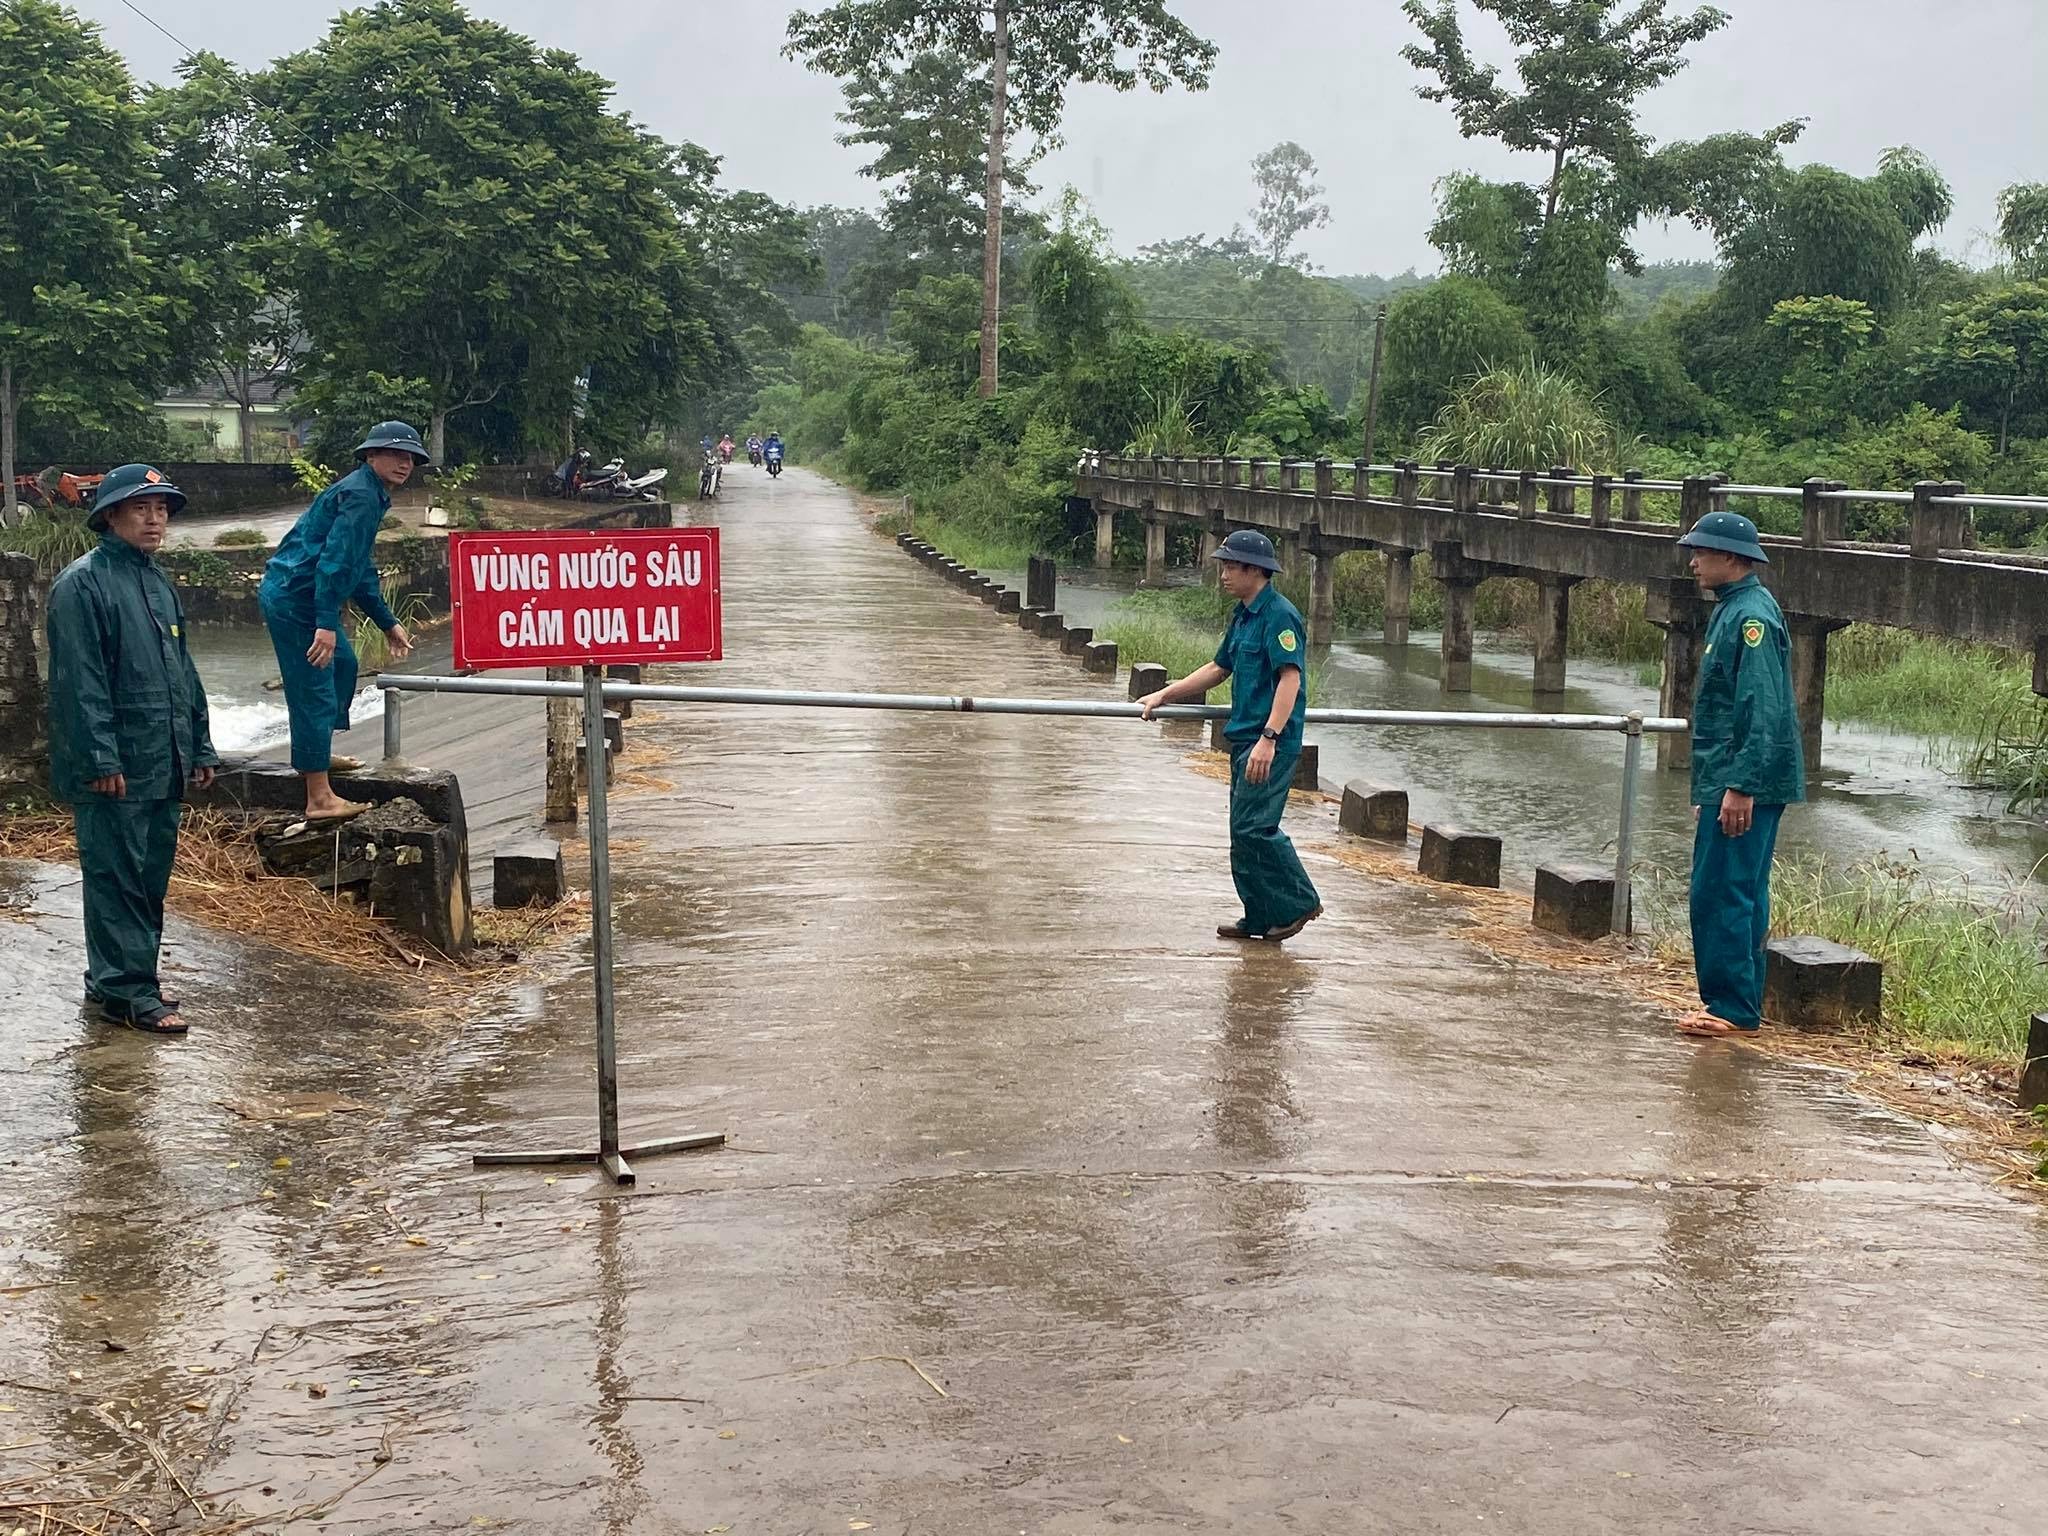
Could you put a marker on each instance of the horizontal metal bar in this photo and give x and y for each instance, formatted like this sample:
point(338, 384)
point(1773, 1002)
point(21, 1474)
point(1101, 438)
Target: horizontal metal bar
point(1787, 492)
point(1901, 498)
point(2025, 503)
point(964, 704)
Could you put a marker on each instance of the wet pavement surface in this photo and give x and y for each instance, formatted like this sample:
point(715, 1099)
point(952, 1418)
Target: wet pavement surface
point(1374, 1233)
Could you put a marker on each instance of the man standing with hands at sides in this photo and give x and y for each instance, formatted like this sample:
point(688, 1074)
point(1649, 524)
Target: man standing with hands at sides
point(1262, 655)
point(128, 732)
point(325, 561)
point(1747, 766)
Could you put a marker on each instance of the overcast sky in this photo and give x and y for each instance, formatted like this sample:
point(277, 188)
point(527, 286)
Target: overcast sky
point(1958, 79)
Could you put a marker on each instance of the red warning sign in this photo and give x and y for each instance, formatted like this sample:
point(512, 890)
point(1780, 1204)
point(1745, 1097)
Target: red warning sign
point(564, 598)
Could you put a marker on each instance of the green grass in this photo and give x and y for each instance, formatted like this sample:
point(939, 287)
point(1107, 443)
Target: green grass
point(1911, 682)
point(239, 538)
point(52, 537)
point(974, 547)
point(1962, 964)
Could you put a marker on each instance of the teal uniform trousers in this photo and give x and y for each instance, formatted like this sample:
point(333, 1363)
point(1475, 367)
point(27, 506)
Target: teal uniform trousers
point(1731, 913)
point(316, 699)
point(1270, 881)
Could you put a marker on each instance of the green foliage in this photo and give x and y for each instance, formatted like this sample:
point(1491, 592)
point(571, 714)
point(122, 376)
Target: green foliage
point(310, 476)
point(83, 317)
point(1919, 445)
point(1993, 356)
point(239, 538)
point(2023, 228)
point(1823, 333)
point(1290, 203)
point(1441, 337)
point(1078, 301)
point(1523, 417)
point(373, 650)
point(1824, 231)
point(51, 536)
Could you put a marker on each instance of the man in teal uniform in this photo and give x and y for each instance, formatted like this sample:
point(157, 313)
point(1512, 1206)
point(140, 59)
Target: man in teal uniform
point(1747, 766)
point(1262, 655)
point(128, 731)
point(324, 562)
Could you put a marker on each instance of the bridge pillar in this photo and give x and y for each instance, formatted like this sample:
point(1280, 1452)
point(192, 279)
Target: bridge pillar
point(1553, 623)
point(1322, 605)
point(1460, 598)
point(1155, 548)
point(1680, 613)
point(1105, 534)
point(1809, 636)
point(1400, 596)
point(1206, 541)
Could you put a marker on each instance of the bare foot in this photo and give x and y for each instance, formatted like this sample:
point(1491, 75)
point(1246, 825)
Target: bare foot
point(333, 808)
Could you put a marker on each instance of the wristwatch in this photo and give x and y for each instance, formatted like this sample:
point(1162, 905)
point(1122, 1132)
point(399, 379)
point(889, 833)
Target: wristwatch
point(1269, 735)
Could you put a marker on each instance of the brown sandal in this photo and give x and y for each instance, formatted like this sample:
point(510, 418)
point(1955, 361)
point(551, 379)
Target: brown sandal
point(1288, 932)
point(1707, 1026)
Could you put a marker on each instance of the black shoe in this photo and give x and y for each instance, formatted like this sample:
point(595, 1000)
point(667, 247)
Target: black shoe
point(1296, 926)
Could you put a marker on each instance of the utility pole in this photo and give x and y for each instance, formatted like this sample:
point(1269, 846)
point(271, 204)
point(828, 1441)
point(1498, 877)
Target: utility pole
point(1372, 397)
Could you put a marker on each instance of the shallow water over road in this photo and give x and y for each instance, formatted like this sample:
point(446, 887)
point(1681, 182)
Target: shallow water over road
point(1376, 1232)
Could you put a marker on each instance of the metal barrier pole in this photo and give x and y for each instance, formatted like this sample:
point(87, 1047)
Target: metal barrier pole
point(594, 749)
point(391, 724)
point(1624, 838)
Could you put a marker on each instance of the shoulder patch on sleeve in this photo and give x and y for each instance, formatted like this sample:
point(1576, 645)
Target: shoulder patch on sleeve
point(1752, 632)
point(1287, 640)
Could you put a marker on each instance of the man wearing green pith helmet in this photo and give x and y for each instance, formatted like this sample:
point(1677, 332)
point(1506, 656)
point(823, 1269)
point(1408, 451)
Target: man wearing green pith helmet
point(1262, 655)
point(1747, 766)
point(128, 733)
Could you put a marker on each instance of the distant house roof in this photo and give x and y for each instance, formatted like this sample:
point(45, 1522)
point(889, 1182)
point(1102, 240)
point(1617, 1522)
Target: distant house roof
point(270, 390)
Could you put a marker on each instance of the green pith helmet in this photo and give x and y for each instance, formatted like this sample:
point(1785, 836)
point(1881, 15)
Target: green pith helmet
point(395, 434)
point(1730, 532)
point(126, 483)
point(1248, 547)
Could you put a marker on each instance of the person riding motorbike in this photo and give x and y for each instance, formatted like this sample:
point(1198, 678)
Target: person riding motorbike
point(725, 448)
point(754, 449)
point(771, 451)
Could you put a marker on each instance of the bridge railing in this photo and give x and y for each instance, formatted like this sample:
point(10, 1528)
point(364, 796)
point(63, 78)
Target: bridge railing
point(1940, 514)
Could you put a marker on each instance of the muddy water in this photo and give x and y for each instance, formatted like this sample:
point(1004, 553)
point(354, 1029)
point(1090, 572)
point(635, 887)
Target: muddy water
point(1557, 796)
point(1375, 1232)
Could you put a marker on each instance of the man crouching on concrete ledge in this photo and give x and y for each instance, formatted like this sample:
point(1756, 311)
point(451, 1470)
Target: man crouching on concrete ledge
point(1261, 654)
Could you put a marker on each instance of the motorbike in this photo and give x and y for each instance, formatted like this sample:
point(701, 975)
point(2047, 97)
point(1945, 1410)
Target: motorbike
point(754, 454)
point(725, 450)
point(709, 476)
point(57, 488)
point(774, 456)
point(575, 480)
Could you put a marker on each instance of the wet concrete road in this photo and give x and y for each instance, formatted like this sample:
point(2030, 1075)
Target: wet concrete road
point(1376, 1233)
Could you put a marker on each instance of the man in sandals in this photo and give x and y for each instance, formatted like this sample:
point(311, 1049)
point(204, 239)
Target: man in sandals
point(1747, 766)
point(128, 732)
point(1262, 655)
point(325, 562)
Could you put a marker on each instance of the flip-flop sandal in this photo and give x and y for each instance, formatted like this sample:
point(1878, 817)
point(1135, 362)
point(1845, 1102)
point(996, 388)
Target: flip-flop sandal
point(168, 1021)
point(344, 765)
point(1711, 1028)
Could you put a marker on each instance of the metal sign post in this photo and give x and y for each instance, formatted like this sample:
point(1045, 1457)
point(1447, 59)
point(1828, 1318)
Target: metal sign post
point(650, 596)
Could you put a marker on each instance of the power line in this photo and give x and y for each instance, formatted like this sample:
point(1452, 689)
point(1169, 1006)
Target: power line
point(251, 97)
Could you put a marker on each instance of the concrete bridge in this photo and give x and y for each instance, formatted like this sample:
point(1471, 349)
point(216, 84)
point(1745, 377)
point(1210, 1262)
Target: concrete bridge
point(1476, 524)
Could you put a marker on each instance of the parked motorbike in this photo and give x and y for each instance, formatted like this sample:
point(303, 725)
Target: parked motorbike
point(575, 480)
point(709, 477)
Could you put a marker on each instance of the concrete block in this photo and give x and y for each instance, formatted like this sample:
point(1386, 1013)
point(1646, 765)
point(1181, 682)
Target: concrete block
point(1008, 601)
point(1075, 641)
point(421, 883)
point(1308, 769)
point(625, 673)
point(1217, 743)
point(990, 591)
point(614, 731)
point(1147, 677)
point(1051, 626)
point(1457, 857)
point(2034, 1070)
point(528, 874)
point(1027, 619)
point(1099, 657)
point(1576, 900)
point(1814, 983)
point(1371, 810)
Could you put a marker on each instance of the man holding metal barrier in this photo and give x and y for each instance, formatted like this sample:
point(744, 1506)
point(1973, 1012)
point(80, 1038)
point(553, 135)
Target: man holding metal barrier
point(1261, 654)
point(1747, 766)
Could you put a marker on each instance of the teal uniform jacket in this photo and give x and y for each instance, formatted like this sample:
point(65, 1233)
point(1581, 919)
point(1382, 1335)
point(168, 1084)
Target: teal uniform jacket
point(1264, 636)
point(124, 695)
point(1745, 735)
point(326, 561)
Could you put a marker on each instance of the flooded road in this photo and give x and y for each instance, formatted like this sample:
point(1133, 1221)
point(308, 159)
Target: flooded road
point(1044, 1210)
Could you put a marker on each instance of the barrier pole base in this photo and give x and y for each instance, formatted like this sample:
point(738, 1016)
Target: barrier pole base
point(614, 1164)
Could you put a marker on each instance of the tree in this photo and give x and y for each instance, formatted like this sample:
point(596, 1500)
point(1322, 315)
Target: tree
point(220, 217)
point(1994, 355)
point(79, 307)
point(1582, 69)
point(1031, 55)
point(1440, 337)
point(1290, 202)
point(473, 214)
point(1823, 333)
point(2023, 228)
